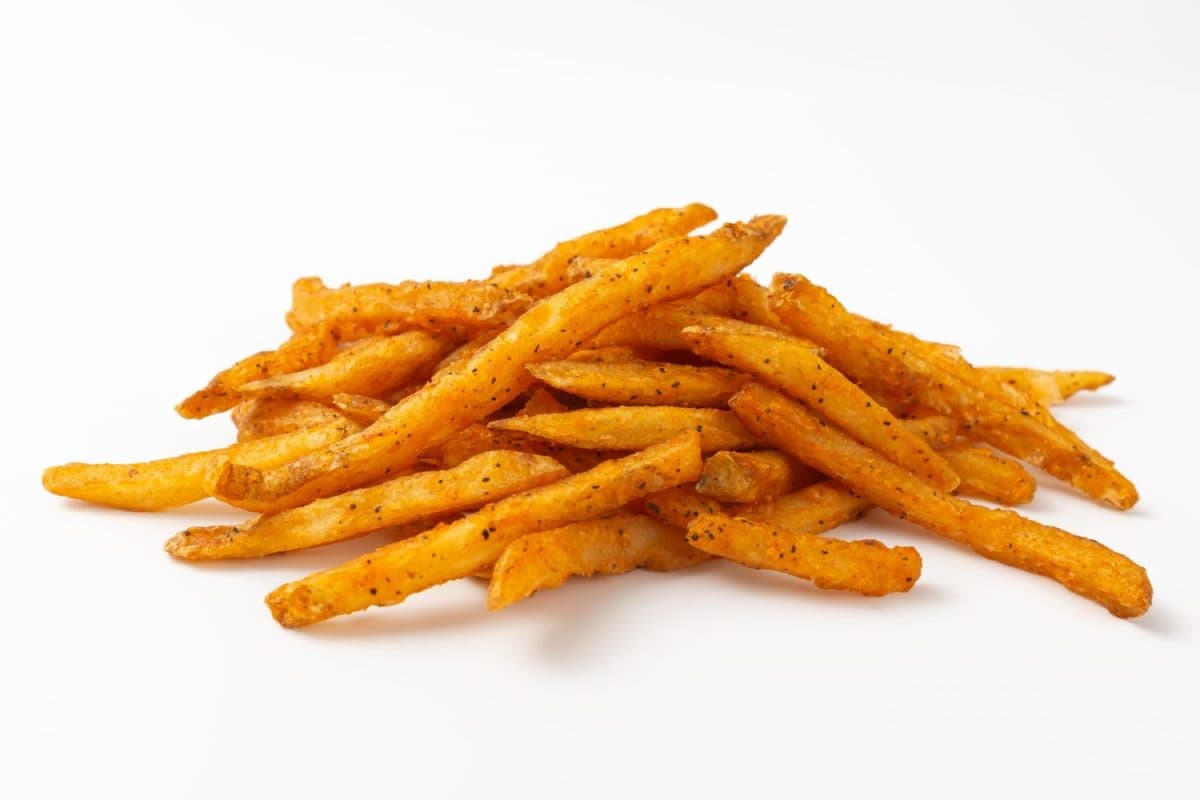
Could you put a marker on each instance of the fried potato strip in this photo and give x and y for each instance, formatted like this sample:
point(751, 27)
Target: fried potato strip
point(363, 410)
point(730, 476)
point(632, 427)
point(1050, 387)
point(642, 382)
point(1081, 565)
point(258, 417)
point(990, 476)
point(455, 550)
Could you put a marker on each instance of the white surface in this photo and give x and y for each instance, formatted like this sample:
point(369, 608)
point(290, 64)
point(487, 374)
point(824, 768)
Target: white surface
point(1021, 181)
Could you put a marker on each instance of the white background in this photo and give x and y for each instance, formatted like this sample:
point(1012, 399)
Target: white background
point(1022, 179)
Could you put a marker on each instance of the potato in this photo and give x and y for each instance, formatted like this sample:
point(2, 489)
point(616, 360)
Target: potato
point(363, 410)
point(790, 364)
point(1049, 387)
point(177, 481)
point(479, 439)
point(541, 401)
point(632, 427)
point(550, 273)
point(989, 476)
point(1081, 565)
point(996, 413)
point(865, 566)
point(607, 546)
point(401, 501)
point(732, 477)
point(642, 382)
point(371, 367)
point(495, 374)
point(458, 549)
point(258, 417)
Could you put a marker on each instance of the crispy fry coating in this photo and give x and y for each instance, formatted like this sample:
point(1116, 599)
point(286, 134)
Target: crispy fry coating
point(495, 374)
point(177, 481)
point(259, 417)
point(644, 383)
point(632, 427)
point(455, 550)
point(865, 566)
point(480, 439)
point(990, 476)
point(541, 401)
point(363, 410)
point(1050, 387)
point(744, 478)
point(421, 496)
point(791, 365)
point(997, 413)
point(1081, 565)
point(608, 546)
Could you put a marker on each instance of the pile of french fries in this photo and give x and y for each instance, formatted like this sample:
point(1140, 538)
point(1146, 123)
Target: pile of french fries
point(627, 400)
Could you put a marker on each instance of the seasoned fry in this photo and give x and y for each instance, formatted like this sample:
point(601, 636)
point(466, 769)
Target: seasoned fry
point(1049, 387)
point(549, 273)
point(632, 427)
point(457, 397)
point(1081, 565)
point(363, 410)
point(608, 355)
point(390, 574)
point(479, 439)
point(864, 566)
point(369, 367)
point(733, 477)
point(938, 431)
point(645, 383)
point(304, 349)
point(997, 413)
point(259, 417)
point(989, 476)
point(541, 401)
point(791, 365)
point(608, 546)
point(424, 495)
point(177, 481)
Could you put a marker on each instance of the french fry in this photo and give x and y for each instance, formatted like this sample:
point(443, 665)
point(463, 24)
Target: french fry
point(997, 413)
point(477, 439)
point(661, 327)
point(177, 481)
point(550, 273)
point(455, 550)
point(989, 476)
point(608, 546)
point(642, 382)
point(401, 501)
point(541, 401)
point(791, 365)
point(1081, 565)
point(495, 374)
point(607, 355)
point(363, 410)
point(937, 430)
point(1049, 387)
point(632, 427)
point(865, 566)
point(258, 417)
point(304, 349)
point(745, 478)
point(369, 367)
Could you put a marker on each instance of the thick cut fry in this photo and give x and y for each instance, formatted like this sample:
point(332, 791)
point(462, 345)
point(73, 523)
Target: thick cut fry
point(390, 574)
point(370, 367)
point(1081, 565)
point(644, 383)
point(997, 413)
point(381, 307)
point(259, 417)
point(865, 566)
point(304, 349)
point(733, 477)
point(479, 439)
point(170, 482)
point(818, 508)
point(494, 375)
point(632, 427)
point(551, 272)
point(424, 495)
point(790, 364)
point(989, 476)
point(363, 410)
point(609, 546)
point(1049, 387)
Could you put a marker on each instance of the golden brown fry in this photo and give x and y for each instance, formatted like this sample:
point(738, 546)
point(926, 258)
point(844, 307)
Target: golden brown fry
point(390, 574)
point(990, 476)
point(644, 383)
point(1081, 565)
point(818, 508)
point(632, 427)
point(363, 410)
point(259, 417)
point(1049, 387)
point(479, 439)
point(369, 367)
point(401, 501)
point(733, 477)
point(494, 375)
point(937, 430)
point(304, 349)
point(661, 327)
point(607, 355)
point(169, 482)
point(997, 413)
point(791, 365)
point(551, 272)
point(541, 401)
point(608, 546)
point(582, 267)
point(865, 566)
